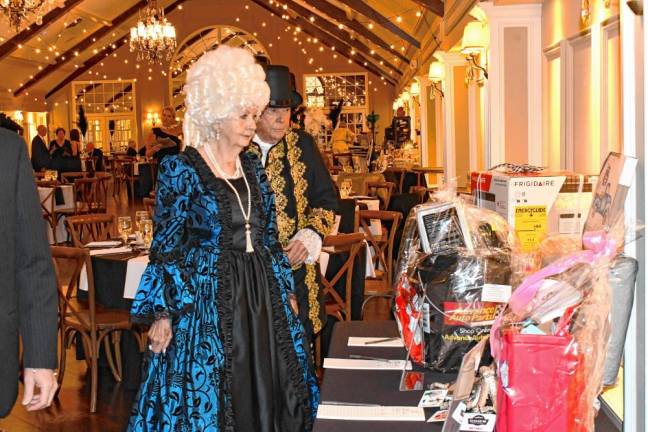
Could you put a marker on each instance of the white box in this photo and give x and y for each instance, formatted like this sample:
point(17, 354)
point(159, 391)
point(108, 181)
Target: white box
point(535, 204)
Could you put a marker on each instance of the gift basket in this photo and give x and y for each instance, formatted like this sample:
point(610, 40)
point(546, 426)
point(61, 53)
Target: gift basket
point(551, 342)
point(451, 278)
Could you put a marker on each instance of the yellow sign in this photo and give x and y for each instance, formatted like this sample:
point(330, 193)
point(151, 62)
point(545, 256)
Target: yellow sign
point(530, 225)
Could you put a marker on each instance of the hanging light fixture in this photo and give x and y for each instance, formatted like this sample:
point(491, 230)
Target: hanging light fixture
point(154, 38)
point(473, 44)
point(19, 11)
point(436, 74)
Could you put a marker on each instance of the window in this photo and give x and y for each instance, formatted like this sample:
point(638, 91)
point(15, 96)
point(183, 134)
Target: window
point(103, 97)
point(110, 109)
point(325, 91)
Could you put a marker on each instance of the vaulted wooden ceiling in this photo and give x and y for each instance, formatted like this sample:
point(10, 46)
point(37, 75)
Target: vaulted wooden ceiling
point(379, 35)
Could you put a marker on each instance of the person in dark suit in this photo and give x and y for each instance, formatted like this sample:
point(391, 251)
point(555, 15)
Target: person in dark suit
point(40, 157)
point(131, 150)
point(28, 290)
point(306, 198)
point(95, 153)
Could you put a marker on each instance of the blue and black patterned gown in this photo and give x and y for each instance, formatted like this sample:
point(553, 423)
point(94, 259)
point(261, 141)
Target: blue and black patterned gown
point(237, 361)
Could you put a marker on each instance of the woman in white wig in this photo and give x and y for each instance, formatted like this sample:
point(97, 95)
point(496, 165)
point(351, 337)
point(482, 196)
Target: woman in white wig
point(227, 351)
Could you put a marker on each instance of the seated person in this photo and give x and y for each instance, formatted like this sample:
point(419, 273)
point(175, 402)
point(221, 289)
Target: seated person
point(96, 153)
point(342, 138)
point(40, 157)
point(132, 150)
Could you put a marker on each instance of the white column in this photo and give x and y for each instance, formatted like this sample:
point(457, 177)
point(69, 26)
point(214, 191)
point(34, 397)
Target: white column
point(424, 83)
point(450, 60)
point(473, 124)
point(499, 18)
point(634, 42)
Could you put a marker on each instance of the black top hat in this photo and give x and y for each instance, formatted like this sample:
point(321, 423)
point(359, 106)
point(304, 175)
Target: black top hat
point(282, 91)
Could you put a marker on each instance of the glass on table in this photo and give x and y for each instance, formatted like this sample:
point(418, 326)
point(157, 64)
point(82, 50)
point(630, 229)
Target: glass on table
point(139, 217)
point(147, 232)
point(124, 227)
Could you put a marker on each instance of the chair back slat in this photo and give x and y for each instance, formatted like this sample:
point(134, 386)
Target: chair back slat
point(91, 227)
point(384, 244)
point(64, 259)
point(381, 190)
point(342, 244)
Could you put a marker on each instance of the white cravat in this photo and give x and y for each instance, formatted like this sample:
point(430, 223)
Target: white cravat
point(265, 148)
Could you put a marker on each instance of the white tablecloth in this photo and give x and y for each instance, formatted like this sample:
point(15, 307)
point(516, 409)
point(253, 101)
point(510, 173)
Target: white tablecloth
point(134, 270)
point(68, 203)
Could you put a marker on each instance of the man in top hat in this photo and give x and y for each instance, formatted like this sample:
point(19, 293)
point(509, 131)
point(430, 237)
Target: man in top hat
point(306, 200)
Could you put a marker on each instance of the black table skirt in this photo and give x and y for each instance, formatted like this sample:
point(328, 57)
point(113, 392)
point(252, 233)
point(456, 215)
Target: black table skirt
point(371, 387)
point(144, 183)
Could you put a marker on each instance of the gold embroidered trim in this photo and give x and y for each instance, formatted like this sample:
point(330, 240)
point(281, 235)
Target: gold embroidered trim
point(287, 225)
point(313, 294)
point(274, 170)
point(322, 220)
point(297, 171)
point(255, 149)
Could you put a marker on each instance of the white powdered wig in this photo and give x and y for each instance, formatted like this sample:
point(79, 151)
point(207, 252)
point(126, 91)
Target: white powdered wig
point(222, 84)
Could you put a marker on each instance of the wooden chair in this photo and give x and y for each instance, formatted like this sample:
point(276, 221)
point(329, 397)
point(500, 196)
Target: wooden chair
point(90, 227)
point(125, 176)
point(336, 306)
point(422, 171)
point(48, 205)
point(91, 195)
point(90, 163)
point(422, 192)
point(149, 205)
point(69, 177)
point(381, 190)
point(94, 325)
point(383, 257)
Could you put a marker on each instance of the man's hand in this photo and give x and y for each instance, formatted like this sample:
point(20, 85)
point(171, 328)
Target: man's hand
point(160, 335)
point(43, 379)
point(296, 252)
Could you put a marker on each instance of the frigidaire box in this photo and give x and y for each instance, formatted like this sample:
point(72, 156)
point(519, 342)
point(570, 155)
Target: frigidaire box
point(535, 204)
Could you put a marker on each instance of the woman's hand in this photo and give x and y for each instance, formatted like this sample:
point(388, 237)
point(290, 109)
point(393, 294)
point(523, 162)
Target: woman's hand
point(292, 298)
point(160, 335)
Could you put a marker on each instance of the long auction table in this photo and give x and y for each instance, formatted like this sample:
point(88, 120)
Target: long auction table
point(380, 387)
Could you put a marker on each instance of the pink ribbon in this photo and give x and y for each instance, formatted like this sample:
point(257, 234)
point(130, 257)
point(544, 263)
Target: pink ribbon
point(597, 245)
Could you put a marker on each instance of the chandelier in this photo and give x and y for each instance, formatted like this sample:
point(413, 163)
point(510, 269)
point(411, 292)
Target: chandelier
point(19, 11)
point(153, 37)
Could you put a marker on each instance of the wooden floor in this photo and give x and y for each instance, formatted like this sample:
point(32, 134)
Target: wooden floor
point(70, 413)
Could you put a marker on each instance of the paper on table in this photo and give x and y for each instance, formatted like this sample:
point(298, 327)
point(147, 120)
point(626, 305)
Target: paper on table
point(370, 413)
point(362, 341)
point(341, 363)
point(111, 251)
point(104, 244)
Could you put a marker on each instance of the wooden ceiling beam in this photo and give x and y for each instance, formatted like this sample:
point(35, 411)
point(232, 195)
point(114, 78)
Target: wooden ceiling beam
point(434, 6)
point(333, 30)
point(366, 10)
point(122, 40)
point(12, 44)
point(326, 40)
point(340, 16)
point(81, 46)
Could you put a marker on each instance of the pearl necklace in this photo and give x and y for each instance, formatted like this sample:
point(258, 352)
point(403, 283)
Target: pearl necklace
point(248, 233)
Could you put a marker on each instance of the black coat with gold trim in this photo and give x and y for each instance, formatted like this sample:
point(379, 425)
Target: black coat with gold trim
point(305, 198)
